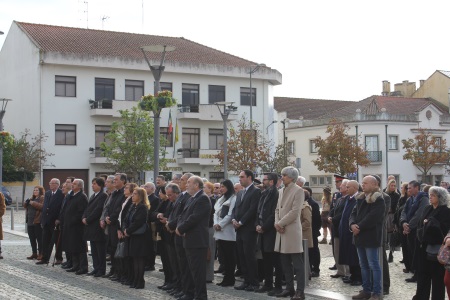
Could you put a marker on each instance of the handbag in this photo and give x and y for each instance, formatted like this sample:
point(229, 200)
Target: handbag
point(140, 230)
point(120, 251)
point(443, 255)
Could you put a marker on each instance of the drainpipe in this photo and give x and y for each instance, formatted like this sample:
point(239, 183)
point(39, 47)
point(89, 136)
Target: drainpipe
point(357, 144)
point(386, 134)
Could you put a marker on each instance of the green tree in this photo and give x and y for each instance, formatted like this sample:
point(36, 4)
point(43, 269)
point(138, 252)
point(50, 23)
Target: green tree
point(278, 160)
point(425, 151)
point(129, 146)
point(246, 148)
point(339, 152)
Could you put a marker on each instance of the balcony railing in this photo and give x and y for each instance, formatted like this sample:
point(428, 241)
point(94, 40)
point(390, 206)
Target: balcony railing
point(374, 156)
point(188, 108)
point(103, 103)
point(96, 152)
point(188, 153)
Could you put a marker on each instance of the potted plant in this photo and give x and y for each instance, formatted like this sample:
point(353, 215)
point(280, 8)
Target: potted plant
point(158, 102)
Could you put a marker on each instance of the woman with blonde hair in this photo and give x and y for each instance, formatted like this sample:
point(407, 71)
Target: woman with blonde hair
point(326, 205)
point(136, 228)
point(392, 231)
point(33, 207)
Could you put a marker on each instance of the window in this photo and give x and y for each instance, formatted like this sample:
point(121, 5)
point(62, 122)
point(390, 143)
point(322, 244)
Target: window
point(65, 134)
point(190, 95)
point(393, 142)
point(166, 86)
point(167, 136)
point(134, 90)
point(65, 86)
point(245, 96)
point(320, 180)
point(104, 89)
point(215, 139)
point(216, 177)
point(312, 147)
point(100, 137)
point(190, 142)
point(216, 93)
point(438, 140)
point(290, 148)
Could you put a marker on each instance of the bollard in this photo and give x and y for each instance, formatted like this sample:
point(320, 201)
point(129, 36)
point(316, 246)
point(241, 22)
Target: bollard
point(306, 261)
point(12, 218)
point(17, 204)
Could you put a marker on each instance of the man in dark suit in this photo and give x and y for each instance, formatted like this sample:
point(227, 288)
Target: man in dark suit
point(112, 218)
point(266, 235)
point(154, 203)
point(50, 212)
point(184, 279)
point(314, 252)
point(73, 234)
point(66, 188)
point(193, 226)
point(244, 220)
point(92, 231)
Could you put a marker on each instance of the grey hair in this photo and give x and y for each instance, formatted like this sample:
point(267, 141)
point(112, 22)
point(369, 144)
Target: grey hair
point(290, 172)
point(205, 180)
point(80, 183)
point(198, 180)
point(57, 180)
point(177, 176)
point(301, 179)
point(441, 194)
point(174, 187)
point(110, 177)
point(151, 184)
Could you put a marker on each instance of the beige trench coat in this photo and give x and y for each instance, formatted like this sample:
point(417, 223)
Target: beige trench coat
point(2, 212)
point(287, 215)
point(306, 219)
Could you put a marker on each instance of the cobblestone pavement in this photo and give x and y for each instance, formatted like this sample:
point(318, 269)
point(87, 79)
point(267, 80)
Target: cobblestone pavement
point(22, 279)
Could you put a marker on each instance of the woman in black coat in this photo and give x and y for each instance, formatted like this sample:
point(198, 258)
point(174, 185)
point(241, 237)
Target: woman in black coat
point(136, 228)
point(432, 228)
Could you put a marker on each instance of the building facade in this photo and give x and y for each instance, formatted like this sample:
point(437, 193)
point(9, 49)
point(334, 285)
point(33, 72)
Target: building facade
point(70, 83)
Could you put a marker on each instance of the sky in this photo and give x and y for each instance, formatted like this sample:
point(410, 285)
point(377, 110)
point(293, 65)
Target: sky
point(340, 50)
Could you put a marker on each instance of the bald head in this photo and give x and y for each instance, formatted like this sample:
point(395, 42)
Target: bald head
point(352, 187)
point(369, 184)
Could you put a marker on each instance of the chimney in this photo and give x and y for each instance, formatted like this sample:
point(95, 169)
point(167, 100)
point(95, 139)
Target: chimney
point(386, 88)
point(421, 82)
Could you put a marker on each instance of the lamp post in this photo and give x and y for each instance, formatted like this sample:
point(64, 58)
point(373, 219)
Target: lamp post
point(4, 102)
point(157, 71)
point(225, 108)
point(252, 70)
point(284, 139)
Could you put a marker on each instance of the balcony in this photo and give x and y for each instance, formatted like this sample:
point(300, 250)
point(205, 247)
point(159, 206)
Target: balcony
point(96, 156)
point(204, 157)
point(110, 108)
point(203, 112)
point(375, 157)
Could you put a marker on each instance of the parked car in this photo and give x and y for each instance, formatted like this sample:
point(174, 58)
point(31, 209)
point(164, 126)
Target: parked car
point(7, 194)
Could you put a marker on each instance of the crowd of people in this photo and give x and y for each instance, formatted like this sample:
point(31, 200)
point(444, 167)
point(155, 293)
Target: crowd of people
point(255, 229)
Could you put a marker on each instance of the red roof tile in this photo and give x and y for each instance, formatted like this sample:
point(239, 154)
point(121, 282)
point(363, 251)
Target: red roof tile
point(309, 109)
point(121, 44)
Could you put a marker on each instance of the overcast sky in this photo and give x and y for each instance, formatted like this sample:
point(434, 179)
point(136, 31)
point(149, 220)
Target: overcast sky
point(324, 49)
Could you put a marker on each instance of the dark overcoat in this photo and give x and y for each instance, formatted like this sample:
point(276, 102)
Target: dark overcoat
point(347, 250)
point(93, 231)
point(73, 230)
point(266, 219)
point(135, 219)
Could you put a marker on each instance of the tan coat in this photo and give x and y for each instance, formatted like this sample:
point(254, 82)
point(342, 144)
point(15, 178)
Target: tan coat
point(287, 215)
point(306, 219)
point(2, 212)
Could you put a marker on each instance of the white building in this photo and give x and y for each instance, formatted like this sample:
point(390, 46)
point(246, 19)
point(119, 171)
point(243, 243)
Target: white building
point(381, 122)
point(70, 83)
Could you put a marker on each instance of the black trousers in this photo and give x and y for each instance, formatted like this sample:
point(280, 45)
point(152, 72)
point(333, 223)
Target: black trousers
point(355, 273)
point(79, 261)
point(272, 260)
point(406, 252)
point(314, 256)
point(411, 249)
point(98, 251)
point(196, 258)
point(138, 270)
point(246, 246)
point(162, 245)
point(386, 276)
point(187, 281)
point(51, 237)
point(35, 236)
point(175, 268)
point(430, 277)
point(228, 252)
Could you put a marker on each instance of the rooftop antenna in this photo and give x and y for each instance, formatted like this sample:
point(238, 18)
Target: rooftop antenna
point(104, 18)
point(87, 14)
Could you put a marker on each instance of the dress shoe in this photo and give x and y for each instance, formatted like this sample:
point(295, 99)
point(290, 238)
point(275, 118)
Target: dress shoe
point(167, 287)
point(275, 292)
point(174, 292)
point(385, 291)
point(161, 270)
point(179, 295)
point(42, 262)
point(1, 256)
point(238, 273)
point(405, 271)
point(412, 279)
point(298, 296)
point(333, 267)
point(219, 270)
point(336, 276)
point(72, 270)
point(99, 274)
point(92, 273)
point(315, 274)
point(114, 278)
point(68, 266)
point(58, 262)
point(362, 295)
point(356, 283)
point(241, 287)
point(391, 258)
point(32, 256)
point(81, 272)
point(264, 289)
point(226, 283)
point(108, 257)
point(375, 297)
point(127, 282)
point(40, 256)
point(251, 288)
point(140, 286)
point(285, 293)
point(346, 280)
point(132, 286)
point(161, 286)
point(402, 261)
point(186, 297)
point(109, 274)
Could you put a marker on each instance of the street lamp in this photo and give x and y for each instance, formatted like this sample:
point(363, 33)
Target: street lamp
point(252, 70)
point(225, 109)
point(157, 71)
point(1, 32)
point(3, 102)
